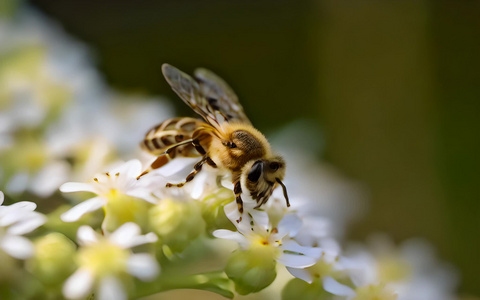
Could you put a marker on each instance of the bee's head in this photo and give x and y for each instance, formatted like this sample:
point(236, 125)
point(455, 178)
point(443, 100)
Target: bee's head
point(262, 176)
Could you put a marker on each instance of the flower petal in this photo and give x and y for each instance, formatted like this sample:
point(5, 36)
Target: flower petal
point(28, 225)
point(78, 285)
point(124, 234)
point(301, 274)
point(2, 197)
point(296, 261)
point(76, 212)
point(336, 288)
point(111, 288)
point(293, 246)
point(47, 181)
point(23, 205)
point(17, 246)
point(143, 266)
point(128, 236)
point(86, 235)
point(289, 225)
point(70, 187)
point(229, 235)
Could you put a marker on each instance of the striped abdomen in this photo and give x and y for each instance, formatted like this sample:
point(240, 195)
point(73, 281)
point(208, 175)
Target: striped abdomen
point(171, 132)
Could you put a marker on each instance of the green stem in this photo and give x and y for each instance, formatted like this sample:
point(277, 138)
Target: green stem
point(216, 282)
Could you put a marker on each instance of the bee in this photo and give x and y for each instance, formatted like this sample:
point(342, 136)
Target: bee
point(225, 139)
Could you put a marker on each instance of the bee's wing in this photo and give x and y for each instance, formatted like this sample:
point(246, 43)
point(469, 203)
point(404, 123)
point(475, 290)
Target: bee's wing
point(205, 96)
point(220, 95)
point(186, 88)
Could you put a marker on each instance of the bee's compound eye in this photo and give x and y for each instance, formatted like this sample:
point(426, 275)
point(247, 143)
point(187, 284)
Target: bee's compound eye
point(231, 145)
point(274, 166)
point(255, 171)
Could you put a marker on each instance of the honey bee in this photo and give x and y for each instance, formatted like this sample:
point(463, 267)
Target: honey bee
point(225, 139)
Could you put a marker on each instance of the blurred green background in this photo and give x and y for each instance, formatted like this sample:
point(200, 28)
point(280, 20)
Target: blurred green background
point(394, 87)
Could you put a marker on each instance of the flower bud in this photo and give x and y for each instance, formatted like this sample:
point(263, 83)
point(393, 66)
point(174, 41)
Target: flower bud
point(176, 223)
point(298, 289)
point(53, 259)
point(122, 208)
point(251, 270)
point(213, 212)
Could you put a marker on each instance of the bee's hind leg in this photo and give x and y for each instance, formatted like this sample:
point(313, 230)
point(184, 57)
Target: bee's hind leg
point(197, 168)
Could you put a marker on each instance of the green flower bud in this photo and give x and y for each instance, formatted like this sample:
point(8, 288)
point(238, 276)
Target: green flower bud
point(176, 223)
point(212, 209)
point(122, 208)
point(53, 260)
point(298, 289)
point(251, 270)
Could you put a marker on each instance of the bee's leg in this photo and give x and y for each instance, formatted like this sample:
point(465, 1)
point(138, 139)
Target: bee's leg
point(157, 163)
point(210, 162)
point(197, 168)
point(198, 147)
point(164, 158)
point(237, 189)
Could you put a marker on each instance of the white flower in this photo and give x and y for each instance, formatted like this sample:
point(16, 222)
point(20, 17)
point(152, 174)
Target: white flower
point(255, 231)
point(103, 261)
point(15, 220)
point(408, 272)
point(111, 187)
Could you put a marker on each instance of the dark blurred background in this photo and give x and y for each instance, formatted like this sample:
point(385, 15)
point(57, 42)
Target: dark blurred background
point(393, 86)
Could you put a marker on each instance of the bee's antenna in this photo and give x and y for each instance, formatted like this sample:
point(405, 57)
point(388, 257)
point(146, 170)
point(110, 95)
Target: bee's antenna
point(284, 191)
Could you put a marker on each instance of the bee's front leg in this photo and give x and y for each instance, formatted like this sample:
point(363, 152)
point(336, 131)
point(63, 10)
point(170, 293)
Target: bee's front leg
point(197, 168)
point(237, 189)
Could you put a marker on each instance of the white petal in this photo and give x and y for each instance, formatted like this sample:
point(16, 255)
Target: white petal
point(336, 288)
point(23, 205)
point(36, 220)
point(2, 197)
point(69, 187)
point(17, 246)
point(10, 215)
point(296, 261)
point(291, 245)
point(301, 274)
point(143, 193)
point(143, 266)
point(143, 239)
point(289, 225)
point(133, 168)
point(229, 235)
point(198, 186)
point(111, 288)
point(76, 212)
point(86, 235)
point(231, 211)
point(125, 234)
point(260, 217)
point(78, 285)
point(47, 181)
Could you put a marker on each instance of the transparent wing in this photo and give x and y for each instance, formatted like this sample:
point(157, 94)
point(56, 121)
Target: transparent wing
point(220, 95)
point(207, 95)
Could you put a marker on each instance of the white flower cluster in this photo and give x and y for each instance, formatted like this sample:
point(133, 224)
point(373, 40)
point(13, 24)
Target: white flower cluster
point(62, 129)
